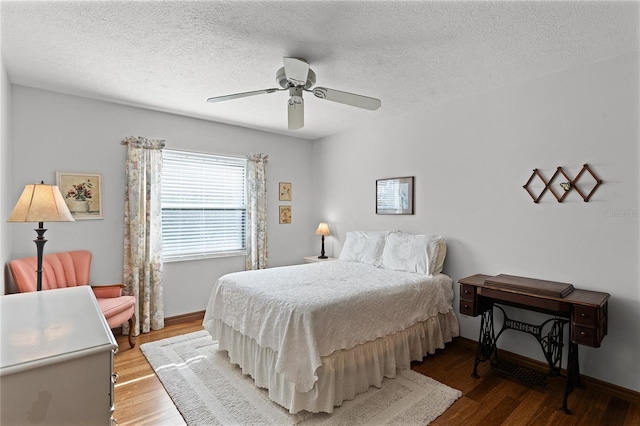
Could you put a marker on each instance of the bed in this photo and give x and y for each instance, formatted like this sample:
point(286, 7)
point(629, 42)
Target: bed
point(317, 334)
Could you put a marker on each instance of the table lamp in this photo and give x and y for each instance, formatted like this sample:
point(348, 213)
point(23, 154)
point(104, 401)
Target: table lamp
point(323, 229)
point(40, 203)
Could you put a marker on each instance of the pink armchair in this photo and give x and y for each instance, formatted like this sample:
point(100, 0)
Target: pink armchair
point(72, 268)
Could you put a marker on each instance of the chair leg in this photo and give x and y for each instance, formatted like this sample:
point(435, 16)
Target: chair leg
point(132, 320)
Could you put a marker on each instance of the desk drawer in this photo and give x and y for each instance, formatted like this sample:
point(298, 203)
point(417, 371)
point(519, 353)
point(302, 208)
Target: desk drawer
point(468, 300)
point(467, 291)
point(468, 307)
point(588, 336)
point(587, 315)
point(589, 325)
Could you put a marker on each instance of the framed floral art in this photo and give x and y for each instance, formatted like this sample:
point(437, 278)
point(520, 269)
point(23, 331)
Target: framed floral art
point(83, 194)
point(285, 214)
point(285, 191)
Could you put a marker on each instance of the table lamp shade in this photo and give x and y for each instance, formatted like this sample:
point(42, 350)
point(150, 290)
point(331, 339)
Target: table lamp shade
point(41, 203)
point(323, 229)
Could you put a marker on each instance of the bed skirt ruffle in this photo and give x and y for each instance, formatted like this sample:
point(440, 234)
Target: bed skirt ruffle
point(344, 373)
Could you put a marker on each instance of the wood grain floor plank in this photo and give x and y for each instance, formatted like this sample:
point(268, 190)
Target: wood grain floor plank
point(530, 410)
point(457, 413)
point(616, 411)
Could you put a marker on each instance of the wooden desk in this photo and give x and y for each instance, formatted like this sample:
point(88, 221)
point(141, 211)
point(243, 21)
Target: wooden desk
point(585, 312)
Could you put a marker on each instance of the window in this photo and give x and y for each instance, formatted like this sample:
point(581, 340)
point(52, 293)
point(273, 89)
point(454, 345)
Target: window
point(203, 205)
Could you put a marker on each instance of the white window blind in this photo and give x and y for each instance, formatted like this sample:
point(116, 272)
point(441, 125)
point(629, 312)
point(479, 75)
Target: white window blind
point(203, 205)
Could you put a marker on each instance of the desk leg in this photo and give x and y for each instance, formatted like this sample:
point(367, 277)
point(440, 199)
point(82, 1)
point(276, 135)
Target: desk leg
point(486, 341)
point(573, 375)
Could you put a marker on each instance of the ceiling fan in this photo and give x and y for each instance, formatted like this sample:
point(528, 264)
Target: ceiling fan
point(296, 76)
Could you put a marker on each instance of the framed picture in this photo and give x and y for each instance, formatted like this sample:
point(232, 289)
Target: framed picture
point(285, 214)
point(285, 191)
point(394, 195)
point(83, 194)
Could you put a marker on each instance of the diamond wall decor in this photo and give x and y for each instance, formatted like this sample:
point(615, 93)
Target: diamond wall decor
point(566, 186)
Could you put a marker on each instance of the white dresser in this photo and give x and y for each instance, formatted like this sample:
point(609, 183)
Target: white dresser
point(56, 359)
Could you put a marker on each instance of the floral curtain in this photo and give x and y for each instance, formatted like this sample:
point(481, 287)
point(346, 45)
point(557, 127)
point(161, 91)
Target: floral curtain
point(257, 211)
point(142, 273)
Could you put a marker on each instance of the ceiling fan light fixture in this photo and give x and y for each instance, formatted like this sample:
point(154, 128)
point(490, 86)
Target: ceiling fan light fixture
point(295, 100)
point(296, 95)
point(296, 76)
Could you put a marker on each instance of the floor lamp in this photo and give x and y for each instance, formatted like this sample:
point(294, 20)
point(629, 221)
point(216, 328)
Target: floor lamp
point(40, 203)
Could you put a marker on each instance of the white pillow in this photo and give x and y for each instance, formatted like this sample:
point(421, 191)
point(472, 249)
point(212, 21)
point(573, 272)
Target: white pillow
point(438, 252)
point(363, 247)
point(421, 254)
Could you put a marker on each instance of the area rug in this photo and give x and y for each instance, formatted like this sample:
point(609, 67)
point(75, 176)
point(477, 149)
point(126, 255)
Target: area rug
point(208, 390)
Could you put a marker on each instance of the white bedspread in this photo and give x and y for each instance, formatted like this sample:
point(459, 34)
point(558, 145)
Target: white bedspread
point(307, 311)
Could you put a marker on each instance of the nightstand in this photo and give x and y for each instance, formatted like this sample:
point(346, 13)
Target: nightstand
point(312, 259)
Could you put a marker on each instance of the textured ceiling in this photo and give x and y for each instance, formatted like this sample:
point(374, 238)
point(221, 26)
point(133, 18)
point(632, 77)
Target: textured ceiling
point(172, 56)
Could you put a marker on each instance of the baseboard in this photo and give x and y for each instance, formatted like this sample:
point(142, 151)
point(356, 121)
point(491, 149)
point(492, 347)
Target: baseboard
point(179, 319)
point(598, 385)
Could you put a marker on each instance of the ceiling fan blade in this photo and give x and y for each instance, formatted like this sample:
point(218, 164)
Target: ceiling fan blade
point(296, 108)
point(296, 70)
point(347, 98)
point(296, 115)
point(241, 95)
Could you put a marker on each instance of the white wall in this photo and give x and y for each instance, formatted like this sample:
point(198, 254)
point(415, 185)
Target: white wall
point(54, 132)
point(6, 204)
point(471, 158)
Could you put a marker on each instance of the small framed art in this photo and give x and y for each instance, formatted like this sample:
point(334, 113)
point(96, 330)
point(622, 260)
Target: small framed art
point(285, 191)
point(83, 194)
point(394, 195)
point(285, 214)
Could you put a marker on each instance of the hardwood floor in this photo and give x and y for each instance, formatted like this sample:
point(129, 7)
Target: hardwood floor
point(140, 397)
point(497, 400)
point(490, 400)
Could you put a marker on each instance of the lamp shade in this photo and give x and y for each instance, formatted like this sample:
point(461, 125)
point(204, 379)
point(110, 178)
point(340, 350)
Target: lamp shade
point(40, 202)
point(323, 229)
